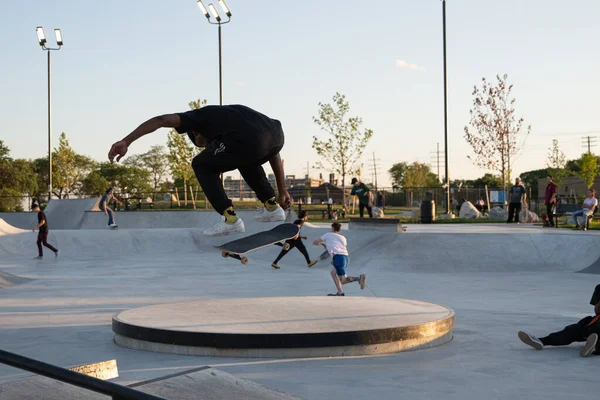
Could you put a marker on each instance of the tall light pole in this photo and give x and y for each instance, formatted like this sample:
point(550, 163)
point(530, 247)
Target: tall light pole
point(446, 110)
point(42, 41)
point(217, 17)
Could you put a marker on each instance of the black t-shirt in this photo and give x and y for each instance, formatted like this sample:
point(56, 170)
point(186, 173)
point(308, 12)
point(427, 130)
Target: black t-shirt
point(214, 121)
point(42, 217)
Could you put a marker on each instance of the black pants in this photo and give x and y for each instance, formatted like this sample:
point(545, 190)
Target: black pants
point(549, 213)
point(244, 152)
point(361, 208)
point(43, 239)
point(578, 332)
point(514, 209)
point(294, 243)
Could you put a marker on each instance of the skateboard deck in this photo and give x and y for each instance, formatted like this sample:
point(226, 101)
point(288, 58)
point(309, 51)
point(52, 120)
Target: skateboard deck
point(238, 248)
point(113, 227)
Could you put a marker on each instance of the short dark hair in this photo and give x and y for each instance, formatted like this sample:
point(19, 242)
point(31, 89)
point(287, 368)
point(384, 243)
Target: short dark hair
point(593, 191)
point(34, 205)
point(108, 190)
point(336, 226)
point(550, 176)
point(302, 214)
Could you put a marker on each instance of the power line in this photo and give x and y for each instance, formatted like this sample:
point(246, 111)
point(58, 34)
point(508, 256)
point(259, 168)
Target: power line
point(437, 162)
point(373, 169)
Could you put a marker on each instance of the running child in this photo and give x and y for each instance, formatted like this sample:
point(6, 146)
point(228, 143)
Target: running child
point(336, 244)
point(296, 242)
point(233, 137)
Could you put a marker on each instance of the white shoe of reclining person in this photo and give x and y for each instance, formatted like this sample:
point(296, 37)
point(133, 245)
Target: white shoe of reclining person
point(270, 216)
point(222, 228)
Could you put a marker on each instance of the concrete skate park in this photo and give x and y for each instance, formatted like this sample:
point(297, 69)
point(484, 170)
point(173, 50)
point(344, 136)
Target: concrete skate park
point(438, 318)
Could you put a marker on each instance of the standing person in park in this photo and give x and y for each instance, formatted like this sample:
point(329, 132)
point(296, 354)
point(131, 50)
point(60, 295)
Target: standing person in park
point(43, 233)
point(337, 244)
point(296, 242)
point(233, 137)
point(517, 197)
point(550, 199)
point(104, 206)
point(363, 193)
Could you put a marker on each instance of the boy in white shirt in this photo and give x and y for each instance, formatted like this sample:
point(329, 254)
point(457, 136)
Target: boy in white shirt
point(587, 209)
point(336, 244)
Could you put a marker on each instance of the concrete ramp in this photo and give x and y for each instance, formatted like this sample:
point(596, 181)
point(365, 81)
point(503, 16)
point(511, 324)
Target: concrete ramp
point(201, 383)
point(68, 213)
point(8, 280)
point(7, 229)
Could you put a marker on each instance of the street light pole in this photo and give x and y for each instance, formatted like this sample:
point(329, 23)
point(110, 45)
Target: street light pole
point(42, 42)
point(217, 17)
point(446, 110)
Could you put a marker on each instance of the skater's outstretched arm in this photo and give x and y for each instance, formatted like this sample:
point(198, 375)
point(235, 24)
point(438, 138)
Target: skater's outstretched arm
point(119, 149)
point(277, 165)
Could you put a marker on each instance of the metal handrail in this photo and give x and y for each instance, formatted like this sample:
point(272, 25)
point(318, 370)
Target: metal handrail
point(118, 392)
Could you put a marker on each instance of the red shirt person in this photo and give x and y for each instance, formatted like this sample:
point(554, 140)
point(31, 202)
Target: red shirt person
point(550, 199)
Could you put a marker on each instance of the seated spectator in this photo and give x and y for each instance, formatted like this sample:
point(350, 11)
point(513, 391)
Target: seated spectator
point(587, 208)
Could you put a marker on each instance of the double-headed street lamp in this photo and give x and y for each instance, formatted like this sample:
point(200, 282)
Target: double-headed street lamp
point(42, 41)
point(448, 211)
point(217, 17)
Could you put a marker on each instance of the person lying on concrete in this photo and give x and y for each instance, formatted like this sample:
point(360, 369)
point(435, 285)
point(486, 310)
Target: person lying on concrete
point(337, 244)
point(587, 209)
point(42, 233)
point(586, 330)
point(296, 242)
point(233, 137)
point(104, 206)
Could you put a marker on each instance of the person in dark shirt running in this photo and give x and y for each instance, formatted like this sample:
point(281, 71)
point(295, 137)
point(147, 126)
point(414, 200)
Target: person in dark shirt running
point(43, 233)
point(363, 193)
point(296, 242)
point(233, 137)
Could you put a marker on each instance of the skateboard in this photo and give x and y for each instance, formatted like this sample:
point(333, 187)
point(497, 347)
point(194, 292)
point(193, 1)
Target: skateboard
point(238, 248)
point(325, 254)
point(113, 227)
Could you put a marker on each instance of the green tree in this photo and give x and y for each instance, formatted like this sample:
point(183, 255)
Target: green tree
point(345, 141)
point(154, 160)
point(556, 163)
point(495, 134)
point(491, 180)
point(17, 179)
point(397, 173)
point(413, 175)
point(94, 184)
point(68, 168)
point(588, 169)
point(124, 178)
point(4, 150)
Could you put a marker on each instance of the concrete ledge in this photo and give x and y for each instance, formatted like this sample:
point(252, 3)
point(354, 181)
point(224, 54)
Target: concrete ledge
point(380, 224)
point(285, 327)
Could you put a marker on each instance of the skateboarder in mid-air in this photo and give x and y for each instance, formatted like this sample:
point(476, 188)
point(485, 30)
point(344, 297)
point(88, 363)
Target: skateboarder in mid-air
point(586, 330)
point(104, 206)
point(233, 137)
point(296, 242)
point(337, 246)
point(43, 233)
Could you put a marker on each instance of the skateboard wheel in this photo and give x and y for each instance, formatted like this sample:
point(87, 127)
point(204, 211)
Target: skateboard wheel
point(225, 254)
point(244, 260)
point(286, 246)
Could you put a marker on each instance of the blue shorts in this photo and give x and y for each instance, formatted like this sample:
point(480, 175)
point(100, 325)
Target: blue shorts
point(340, 262)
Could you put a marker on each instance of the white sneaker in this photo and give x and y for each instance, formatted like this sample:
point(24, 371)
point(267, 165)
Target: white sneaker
point(590, 346)
point(530, 340)
point(222, 228)
point(270, 216)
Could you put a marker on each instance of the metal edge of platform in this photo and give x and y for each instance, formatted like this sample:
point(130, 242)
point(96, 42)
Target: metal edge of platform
point(244, 342)
point(309, 352)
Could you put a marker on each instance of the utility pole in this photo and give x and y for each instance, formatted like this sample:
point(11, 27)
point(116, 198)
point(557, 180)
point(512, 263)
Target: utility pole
point(589, 141)
point(374, 170)
point(436, 160)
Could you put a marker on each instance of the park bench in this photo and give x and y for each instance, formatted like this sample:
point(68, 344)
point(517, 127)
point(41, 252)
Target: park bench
point(316, 208)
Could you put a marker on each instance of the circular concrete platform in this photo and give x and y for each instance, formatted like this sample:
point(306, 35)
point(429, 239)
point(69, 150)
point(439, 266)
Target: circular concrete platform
point(285, 326)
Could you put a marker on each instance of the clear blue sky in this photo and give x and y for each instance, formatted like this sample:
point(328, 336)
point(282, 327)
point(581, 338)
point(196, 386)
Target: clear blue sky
point(126, 61)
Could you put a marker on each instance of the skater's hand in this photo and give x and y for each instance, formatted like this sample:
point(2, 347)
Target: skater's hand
point(284, 199)
point(119, 149)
